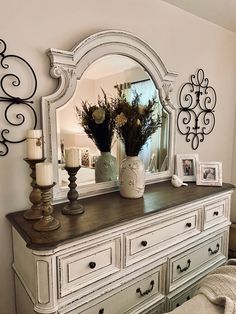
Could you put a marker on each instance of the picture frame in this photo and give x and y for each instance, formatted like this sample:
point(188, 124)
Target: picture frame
point(209, 173)
point(186, 167)
point(85, 157)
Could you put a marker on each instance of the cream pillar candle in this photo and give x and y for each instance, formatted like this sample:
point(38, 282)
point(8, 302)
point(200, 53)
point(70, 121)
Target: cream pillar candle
point(34, 144)
point(72, 157)
point(44, 173)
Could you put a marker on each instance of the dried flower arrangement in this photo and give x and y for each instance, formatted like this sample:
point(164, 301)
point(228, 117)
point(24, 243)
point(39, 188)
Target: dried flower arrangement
point(134, 122)
point(98, 122)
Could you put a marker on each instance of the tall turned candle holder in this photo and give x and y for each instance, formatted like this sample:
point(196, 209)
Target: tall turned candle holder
point(35, 212)
point(73, 207)
point(47, 222)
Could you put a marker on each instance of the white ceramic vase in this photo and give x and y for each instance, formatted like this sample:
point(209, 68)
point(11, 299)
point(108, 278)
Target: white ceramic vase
point(105, 168)
point(132, 177)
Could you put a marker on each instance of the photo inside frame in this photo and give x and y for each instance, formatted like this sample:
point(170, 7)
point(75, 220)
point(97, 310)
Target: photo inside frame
point(188, 167)
point(209, 173)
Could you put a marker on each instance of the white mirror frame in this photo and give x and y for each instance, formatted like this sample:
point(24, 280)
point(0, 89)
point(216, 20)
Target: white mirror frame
point(69, 66)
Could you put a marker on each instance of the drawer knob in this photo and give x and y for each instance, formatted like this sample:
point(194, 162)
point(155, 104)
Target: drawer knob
point(92, 265)
point(212, 252)
point(144, 243)
point(216, 213)
point(101, 311)
point(188, 224)
point(188, 298)
point(185, 268)
point(146, 291)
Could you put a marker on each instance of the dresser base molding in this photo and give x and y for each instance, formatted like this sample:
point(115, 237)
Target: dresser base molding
point(146, 265)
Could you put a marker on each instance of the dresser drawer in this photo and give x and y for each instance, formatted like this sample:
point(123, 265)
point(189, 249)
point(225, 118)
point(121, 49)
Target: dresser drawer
point(158, 308)
point(154, 238)
point(215, 213)
point(81, 268)
point(180, 298)
point(133, 297)
point(186, 265)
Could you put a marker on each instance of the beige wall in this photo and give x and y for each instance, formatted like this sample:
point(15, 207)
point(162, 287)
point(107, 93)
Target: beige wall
point(184, 42)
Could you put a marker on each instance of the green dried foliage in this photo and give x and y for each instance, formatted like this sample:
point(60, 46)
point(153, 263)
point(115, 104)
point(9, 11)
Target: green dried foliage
point(135, 123)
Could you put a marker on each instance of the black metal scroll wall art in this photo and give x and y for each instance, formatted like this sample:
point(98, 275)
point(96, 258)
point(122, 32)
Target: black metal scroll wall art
point(197, 102)
point(15, 97)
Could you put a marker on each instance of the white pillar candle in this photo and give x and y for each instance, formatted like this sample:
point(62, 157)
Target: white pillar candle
point(72, 157)
point(34, 144)
point(44, 173)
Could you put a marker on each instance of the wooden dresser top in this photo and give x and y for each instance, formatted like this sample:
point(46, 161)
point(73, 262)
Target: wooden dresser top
point(107, 210)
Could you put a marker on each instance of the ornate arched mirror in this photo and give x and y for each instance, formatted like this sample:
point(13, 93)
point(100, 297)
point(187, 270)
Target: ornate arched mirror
point(102, 62)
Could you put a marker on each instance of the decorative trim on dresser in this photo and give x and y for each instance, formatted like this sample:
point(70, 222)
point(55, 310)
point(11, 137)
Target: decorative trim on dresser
point(123, 256)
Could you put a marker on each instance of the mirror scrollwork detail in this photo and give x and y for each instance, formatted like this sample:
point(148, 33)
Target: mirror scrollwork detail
point(15, 98)
point(103, 62)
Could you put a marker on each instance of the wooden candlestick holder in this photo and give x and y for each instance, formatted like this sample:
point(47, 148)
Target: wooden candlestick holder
point(73, 207)
point(47, 222)
point(35, 212)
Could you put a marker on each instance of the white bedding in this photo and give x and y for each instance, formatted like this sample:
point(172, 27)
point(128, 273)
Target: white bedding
point(198, 305)
point(216, 293)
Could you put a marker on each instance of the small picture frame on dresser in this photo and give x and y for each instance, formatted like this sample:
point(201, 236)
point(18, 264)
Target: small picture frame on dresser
point(209, 173)
point(186, 168)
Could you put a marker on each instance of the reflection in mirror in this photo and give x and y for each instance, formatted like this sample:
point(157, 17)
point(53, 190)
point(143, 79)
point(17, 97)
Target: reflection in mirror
point(104, 60)
point(108, 73)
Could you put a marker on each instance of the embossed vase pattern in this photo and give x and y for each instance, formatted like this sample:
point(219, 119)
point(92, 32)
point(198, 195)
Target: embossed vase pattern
point(132, 177)
point(105, 168)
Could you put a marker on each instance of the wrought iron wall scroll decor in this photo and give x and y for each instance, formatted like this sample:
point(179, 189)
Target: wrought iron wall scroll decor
point(197, 101)
point(9, 82)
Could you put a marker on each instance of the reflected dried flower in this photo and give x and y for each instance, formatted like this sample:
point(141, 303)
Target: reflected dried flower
point(98, 121)
point(99, 115)
point(120, 119)
point(139, 124)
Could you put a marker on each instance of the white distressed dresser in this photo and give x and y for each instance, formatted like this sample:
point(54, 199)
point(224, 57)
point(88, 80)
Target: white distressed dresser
point(122, 256)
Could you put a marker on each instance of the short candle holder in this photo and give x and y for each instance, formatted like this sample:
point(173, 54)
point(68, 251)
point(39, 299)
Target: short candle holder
point(35, 212)
point(73, 207)
point(47, 222)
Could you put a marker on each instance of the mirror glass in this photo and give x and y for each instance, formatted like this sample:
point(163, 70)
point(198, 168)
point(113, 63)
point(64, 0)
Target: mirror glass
point(107, 73)
point(104, 61)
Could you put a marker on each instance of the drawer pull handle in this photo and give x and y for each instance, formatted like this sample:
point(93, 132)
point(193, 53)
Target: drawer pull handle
point(144, 243)
point(216, 213)
point(92, 265)
point(185, 268)
point(215, 251)
point(146, 291)
point(101, 311)
point(188, 224)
